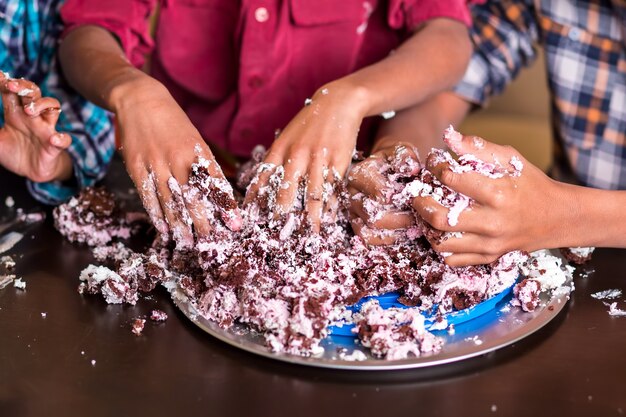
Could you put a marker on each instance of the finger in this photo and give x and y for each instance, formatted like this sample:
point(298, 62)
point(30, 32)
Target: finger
point(288, 191)
point(314, 193)
point(332, 188)
point(395, 220)
point(174, 208)
point(466, 259)
point(479, 147)
point(404, 158)
point(258, 192)
point(60, 141)
point(192, 196)
point(26, 90)
point(146, 185)
point(367, 177)
point(10, 103)
point(220, 193)
point(471, 184)
point(463, 243)
point(374, 236)
point(433, 213)
point(264, 171)
point(392, 219)
point(48, 107)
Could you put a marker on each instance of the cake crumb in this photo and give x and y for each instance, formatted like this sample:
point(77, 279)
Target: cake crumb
point(93, 362)
point(474, 339)
point(607, 294)
point(614, 311)
point(158, 315)
point(356, 355)
point(494, 408)
point(9, 202)
point(138, 325)
point(44, 314)
point(18, 283)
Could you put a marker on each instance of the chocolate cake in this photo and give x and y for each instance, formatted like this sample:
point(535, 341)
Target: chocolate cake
point(274, 274)
point(527, 294)
point(92, 217)
point(577, 256)
point(137, 326)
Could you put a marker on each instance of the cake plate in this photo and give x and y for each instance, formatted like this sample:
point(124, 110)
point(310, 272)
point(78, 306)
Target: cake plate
point(493, 330)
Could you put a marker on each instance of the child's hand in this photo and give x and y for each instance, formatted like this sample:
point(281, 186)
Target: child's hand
point(369, 186)
point(29, 144)
point(522, 212)
point(159, 145)
point(321, 138)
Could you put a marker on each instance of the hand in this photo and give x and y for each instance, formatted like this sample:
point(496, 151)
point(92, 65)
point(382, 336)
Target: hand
point(515, 212)
point(373, 216)
point(159, 145)
point(316, 147)
point(29, 144)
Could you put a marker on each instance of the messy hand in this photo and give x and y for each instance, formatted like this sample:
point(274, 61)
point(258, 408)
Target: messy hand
point(29, 144)
point(316, 147)
point(515, 212)
point(373, 217)
point(159, 145)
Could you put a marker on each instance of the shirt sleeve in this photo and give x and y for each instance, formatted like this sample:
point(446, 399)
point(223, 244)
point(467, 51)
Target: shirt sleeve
point(504, 34)
point(408, 14)
point(128, 20)
point(92, 147)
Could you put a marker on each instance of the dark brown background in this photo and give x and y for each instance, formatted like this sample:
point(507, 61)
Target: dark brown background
point(574, 366)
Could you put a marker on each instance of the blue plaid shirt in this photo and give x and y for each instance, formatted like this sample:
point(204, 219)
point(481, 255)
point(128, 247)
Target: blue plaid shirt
point(585, 47)
point(29, 33)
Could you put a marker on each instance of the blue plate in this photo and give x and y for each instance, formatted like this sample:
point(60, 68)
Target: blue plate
point(455, 317)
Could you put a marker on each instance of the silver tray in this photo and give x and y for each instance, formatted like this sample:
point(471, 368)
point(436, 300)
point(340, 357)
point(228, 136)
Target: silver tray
point(494, 330)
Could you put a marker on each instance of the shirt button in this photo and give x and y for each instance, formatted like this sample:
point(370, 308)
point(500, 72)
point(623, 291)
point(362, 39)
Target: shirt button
point(261, 14)
point(574, 34)
point(255, 82)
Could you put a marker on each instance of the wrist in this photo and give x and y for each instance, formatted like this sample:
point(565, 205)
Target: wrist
point(349, 97)
point(132, 89)
point(596, 218)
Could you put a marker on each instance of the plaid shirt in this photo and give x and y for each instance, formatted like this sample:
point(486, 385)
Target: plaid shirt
point(29, 32)
point(585, 46)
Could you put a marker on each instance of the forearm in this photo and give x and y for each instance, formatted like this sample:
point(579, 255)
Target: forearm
point(592, 217)
point(423, 124)
point(431, 61)
point(82, 54)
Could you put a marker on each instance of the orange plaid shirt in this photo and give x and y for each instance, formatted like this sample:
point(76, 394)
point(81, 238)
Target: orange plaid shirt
point(585, 46)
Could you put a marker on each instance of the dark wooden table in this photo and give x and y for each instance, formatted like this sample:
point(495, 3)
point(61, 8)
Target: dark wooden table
point(575, 366)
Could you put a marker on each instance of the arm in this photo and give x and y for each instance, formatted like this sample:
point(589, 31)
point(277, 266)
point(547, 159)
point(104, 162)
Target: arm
point(158, 141)
point(503, 34)
point(323, 134)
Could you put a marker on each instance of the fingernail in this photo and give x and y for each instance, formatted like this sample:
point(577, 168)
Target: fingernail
point(30, 108)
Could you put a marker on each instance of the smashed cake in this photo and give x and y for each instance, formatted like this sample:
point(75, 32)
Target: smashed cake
point(92, 217)
point(279, 278)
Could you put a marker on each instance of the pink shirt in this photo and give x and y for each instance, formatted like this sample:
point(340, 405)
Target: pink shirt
point(242, 69)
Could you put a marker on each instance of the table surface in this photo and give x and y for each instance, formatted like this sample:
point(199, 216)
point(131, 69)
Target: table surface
point(576, 365)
